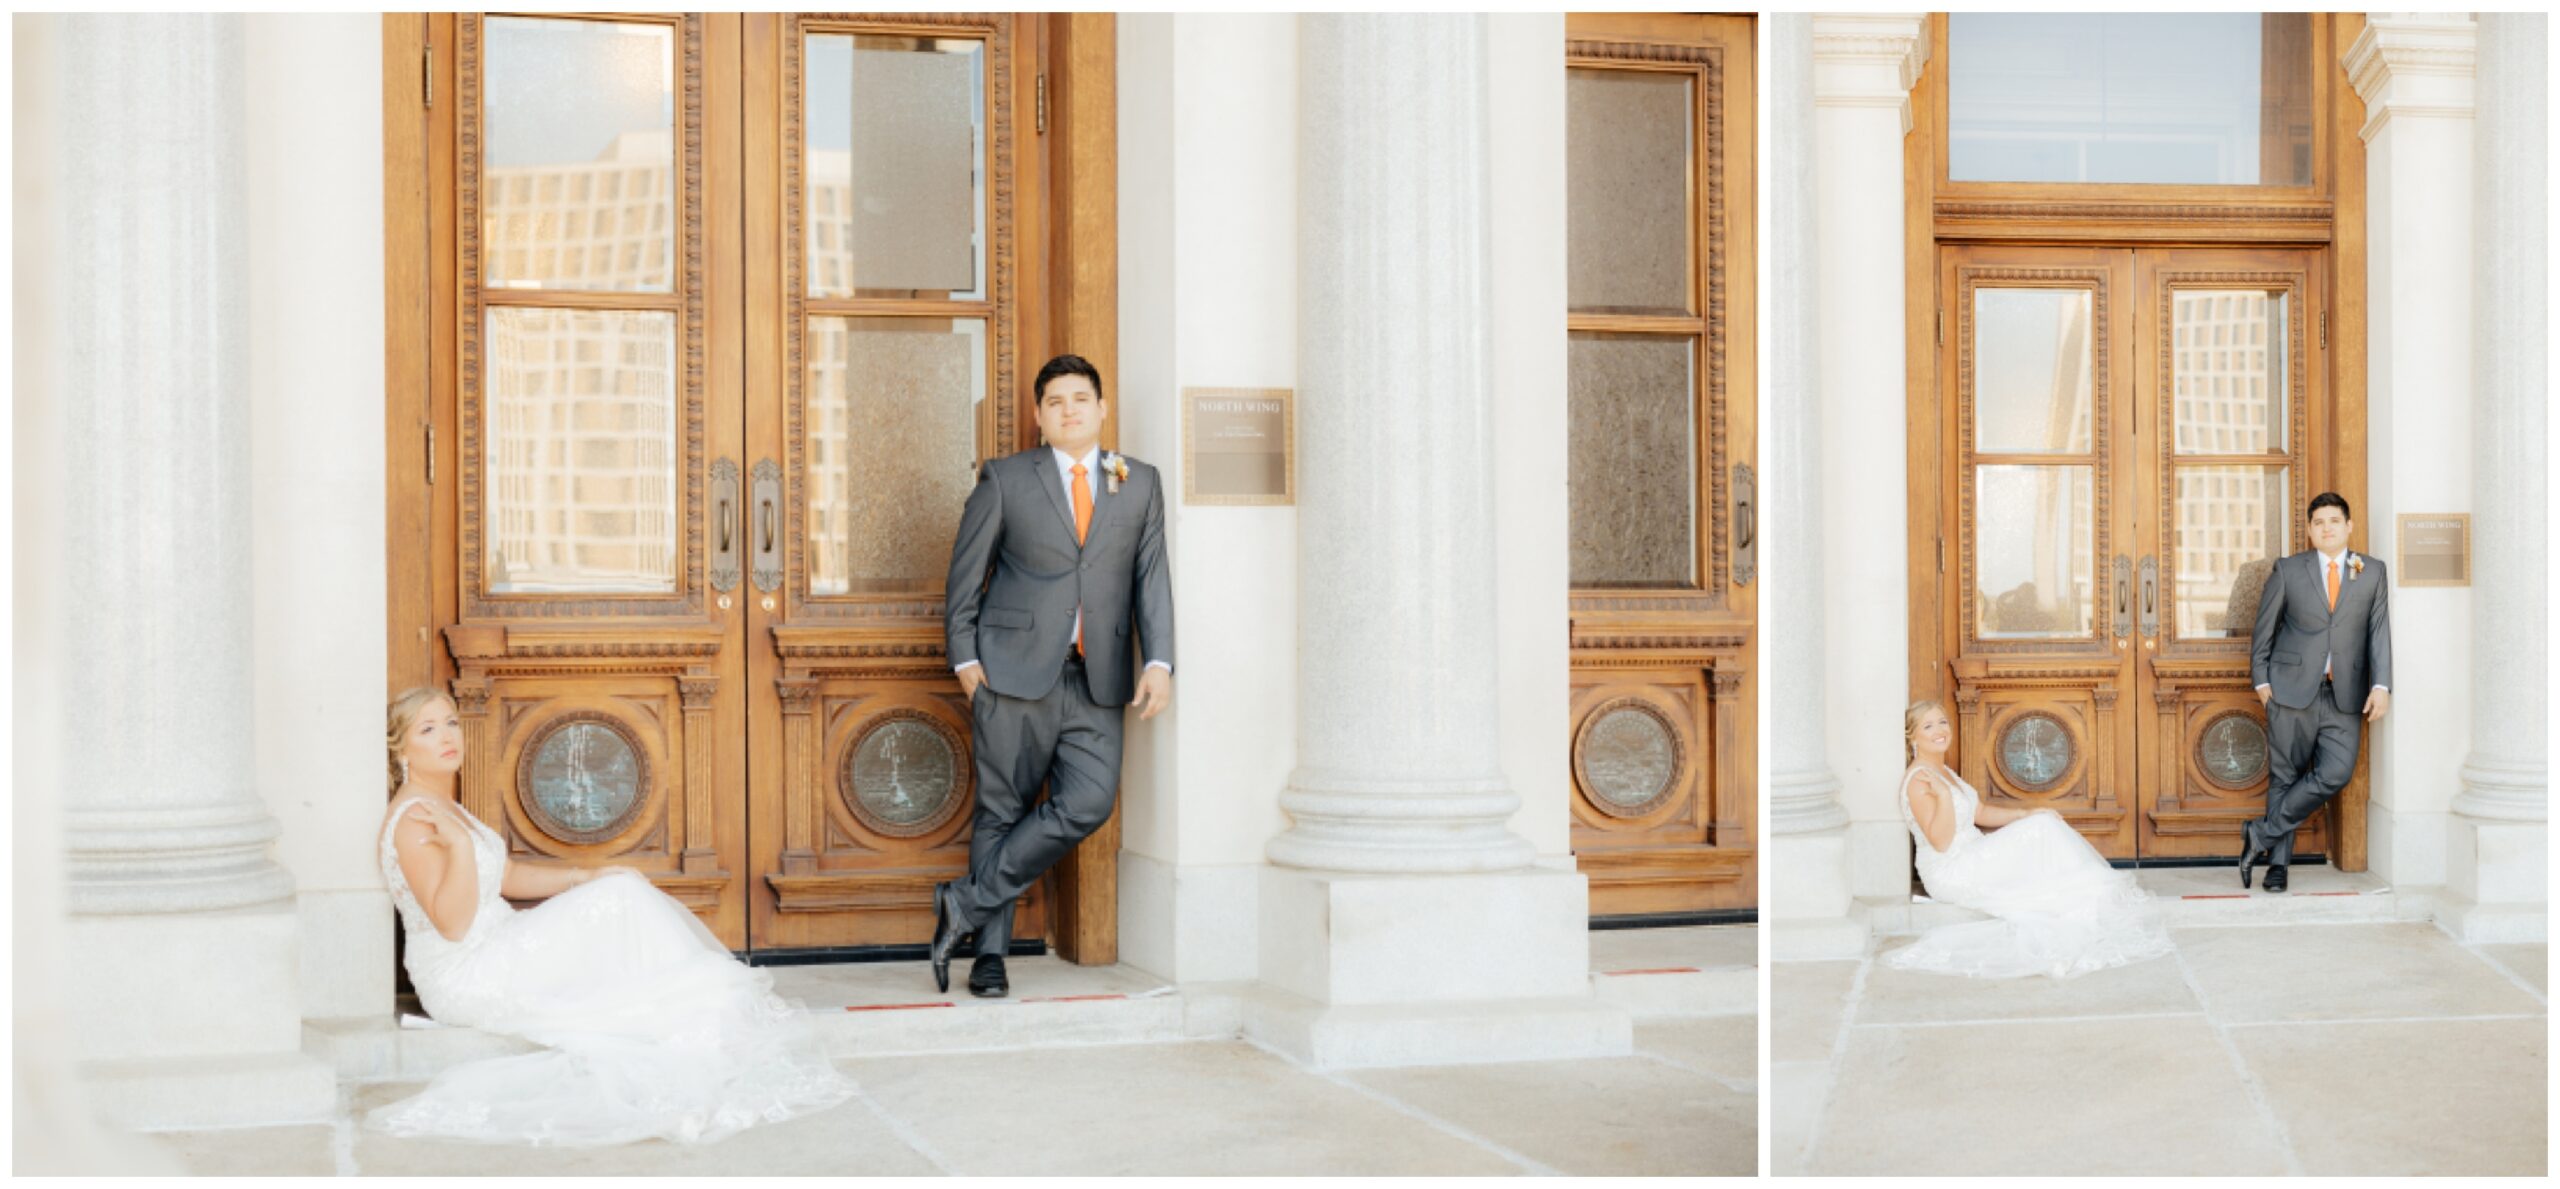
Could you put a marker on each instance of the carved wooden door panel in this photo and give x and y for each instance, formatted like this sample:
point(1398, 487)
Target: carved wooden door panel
point(894, 222)
point(1659, 461)
point(2228, 360)
point(2127, 434)
point(2043, 620)
point(596, 633)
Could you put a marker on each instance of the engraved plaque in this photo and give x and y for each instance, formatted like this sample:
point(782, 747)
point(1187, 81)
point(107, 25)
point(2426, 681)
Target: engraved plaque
point(2232, 751)
point(2435, 549)
point(583, 778)
point(905, 774)
point(2035, 751)
point(1239, 446)
point(1627, 756)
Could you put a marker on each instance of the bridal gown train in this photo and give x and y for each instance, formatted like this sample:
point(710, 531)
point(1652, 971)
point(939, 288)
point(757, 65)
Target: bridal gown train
point(650, 1027)
point(2057, 908)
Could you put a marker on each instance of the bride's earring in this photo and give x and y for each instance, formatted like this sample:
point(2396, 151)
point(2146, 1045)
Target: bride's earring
point(404, 769)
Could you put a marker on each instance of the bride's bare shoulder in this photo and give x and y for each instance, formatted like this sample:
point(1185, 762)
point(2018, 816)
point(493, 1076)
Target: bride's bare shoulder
point(408, 807)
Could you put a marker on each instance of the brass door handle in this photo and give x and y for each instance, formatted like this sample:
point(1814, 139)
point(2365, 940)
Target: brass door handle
point(2124, 596)
point(724, 514)
point(1746, 524)
point(2151, 597)
point(767, 570)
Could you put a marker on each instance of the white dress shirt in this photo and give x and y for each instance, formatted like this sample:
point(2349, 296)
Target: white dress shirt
point(1067, 464)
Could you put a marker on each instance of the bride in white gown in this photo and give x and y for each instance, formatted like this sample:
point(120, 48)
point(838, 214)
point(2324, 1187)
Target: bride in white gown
point(2057, 908)
point(651, 1028)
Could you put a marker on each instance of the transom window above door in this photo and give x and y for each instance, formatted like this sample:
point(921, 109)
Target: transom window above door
point(2194, 98)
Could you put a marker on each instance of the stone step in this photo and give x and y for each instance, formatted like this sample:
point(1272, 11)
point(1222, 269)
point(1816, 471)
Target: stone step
point(1679, 990)
point(1703, 970)
point(870, 1009)
point(2198, 897)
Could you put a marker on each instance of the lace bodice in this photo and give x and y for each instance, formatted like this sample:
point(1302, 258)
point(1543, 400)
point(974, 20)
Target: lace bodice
point(1960, 796)
point(489, 857)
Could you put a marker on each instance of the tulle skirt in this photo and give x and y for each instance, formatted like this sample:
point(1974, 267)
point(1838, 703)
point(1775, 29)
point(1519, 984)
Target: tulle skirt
point(651, 1029)
point(2057, 908)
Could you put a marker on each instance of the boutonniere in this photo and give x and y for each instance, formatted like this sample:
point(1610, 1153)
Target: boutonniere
point(2355, 567)
point(1118, 469)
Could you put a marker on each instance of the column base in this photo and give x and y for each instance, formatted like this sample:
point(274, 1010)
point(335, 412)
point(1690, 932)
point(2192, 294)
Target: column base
point(176, 985)
point(2496, 885)
point(2491, 924)
point(1813, 914)
point(190, 1093)
point(1371, 970)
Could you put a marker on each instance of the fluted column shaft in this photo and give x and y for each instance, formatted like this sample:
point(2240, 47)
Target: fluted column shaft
point(1397, 715)
point(2506, 776)
point(1804, 795)
point(163, 813)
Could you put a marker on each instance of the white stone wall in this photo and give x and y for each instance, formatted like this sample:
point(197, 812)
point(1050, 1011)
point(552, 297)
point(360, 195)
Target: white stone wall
point(1532, 533)
point(1208, 298)
point(316, 342)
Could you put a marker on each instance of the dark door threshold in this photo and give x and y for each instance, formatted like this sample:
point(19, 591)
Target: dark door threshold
point(2231, 860)
point(846, 955)
point(1674, 920)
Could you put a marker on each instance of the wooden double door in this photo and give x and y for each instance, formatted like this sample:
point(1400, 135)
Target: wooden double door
point(727, 310)
point(2128, 438)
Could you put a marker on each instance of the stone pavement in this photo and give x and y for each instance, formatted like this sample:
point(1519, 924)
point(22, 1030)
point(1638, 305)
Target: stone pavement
point(2265, 1045)
point(1108, 1073)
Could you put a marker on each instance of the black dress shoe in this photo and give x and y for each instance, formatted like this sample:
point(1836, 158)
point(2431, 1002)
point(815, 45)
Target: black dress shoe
point(986, 977)
point(2275, 877)
point(2250, 854)
point(946, 936)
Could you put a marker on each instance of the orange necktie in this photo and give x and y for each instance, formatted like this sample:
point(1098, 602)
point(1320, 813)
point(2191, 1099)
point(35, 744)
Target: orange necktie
point(1084, 518)
point(2332, 567)
point(1084, 512)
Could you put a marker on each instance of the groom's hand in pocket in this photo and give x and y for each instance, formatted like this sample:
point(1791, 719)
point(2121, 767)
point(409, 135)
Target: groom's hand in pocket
point(970, 679)
point(1155, 692)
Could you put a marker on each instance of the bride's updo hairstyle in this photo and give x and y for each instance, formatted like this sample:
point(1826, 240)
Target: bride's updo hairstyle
point(403, 712)
point(1911, 724)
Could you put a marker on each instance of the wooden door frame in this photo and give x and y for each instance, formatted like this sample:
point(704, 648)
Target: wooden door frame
point(422, 594)
point(2330, 216)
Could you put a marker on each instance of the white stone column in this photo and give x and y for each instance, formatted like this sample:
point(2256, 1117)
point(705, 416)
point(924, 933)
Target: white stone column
point(155, 435)
point(2496, 869)
point(1810, 904)
point(2414, 72)
point(1400, 882)
point(185, 980)
point(1864, 67)
point(1397, 717)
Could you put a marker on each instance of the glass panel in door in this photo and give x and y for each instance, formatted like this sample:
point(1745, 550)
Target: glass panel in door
point(2230, 387)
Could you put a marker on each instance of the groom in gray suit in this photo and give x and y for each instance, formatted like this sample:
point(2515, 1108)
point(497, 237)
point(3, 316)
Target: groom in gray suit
point(1061, 552)
point(2320, 657)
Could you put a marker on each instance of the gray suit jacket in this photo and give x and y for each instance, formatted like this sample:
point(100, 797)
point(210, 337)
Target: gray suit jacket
point(2297, 632)
point(1017, 577)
